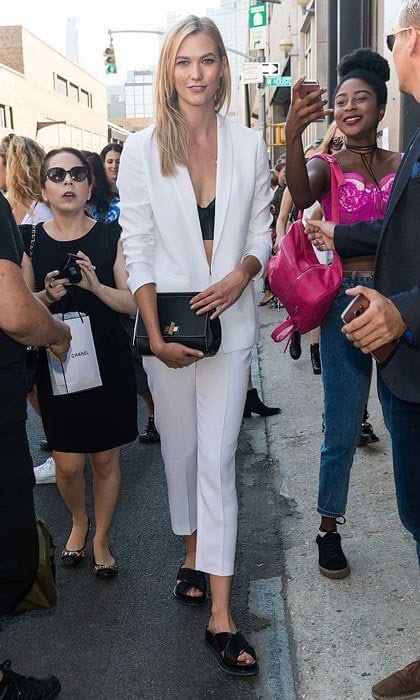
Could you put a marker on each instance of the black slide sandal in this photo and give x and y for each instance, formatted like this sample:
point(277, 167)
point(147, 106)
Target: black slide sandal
point(227, 646)
point(190, 578)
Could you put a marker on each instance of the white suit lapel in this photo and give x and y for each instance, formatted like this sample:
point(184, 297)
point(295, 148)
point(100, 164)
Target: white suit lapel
point(223, 176)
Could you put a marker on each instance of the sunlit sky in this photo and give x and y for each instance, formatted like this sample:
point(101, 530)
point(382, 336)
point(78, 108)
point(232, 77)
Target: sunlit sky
point(47, 20)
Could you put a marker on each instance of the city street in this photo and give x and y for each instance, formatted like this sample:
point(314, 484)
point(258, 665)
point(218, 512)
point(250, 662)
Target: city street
point(130, 639)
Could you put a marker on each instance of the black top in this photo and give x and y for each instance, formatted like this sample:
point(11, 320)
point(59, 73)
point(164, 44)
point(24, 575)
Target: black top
point(12, 354)
point(206, 216)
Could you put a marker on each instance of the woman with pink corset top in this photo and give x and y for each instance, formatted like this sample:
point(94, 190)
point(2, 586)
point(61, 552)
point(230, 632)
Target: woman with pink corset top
point(365, 175)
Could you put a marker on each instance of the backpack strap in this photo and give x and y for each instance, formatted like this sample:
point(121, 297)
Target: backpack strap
point(337, 178)
point(284, 331)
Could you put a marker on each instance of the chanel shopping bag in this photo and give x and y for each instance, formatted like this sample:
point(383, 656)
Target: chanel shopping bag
point(80, 371)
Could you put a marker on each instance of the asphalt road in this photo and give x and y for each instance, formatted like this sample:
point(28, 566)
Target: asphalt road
point(128, 638)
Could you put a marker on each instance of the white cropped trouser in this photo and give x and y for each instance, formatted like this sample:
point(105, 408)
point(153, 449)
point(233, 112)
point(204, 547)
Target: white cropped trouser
point(198, 413)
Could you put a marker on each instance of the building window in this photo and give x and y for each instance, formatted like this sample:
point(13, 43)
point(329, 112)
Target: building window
point(84, 98)
point(73, 92)
point(61, 85)
point(6, 116)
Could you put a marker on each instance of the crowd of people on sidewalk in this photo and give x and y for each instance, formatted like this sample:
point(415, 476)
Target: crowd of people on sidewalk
point(188, 208)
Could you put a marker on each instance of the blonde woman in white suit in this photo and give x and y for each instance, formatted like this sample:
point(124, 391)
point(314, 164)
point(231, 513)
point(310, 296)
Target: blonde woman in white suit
point(195, 213)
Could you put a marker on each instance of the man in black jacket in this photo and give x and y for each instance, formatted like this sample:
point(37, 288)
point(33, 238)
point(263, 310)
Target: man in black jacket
point(23, 321)
point(394, 310)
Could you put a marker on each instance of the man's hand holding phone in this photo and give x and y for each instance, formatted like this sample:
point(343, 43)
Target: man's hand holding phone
point(377, 324)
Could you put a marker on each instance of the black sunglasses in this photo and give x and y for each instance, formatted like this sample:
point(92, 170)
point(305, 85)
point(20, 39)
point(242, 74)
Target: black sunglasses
point(391, 36)
point(337, 143)
point(78, 174)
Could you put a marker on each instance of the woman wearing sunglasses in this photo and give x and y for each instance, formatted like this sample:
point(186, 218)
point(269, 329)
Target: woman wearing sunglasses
point(366, 175)
point(98, 421)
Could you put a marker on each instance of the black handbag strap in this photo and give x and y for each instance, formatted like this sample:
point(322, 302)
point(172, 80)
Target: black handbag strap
point(31, 250)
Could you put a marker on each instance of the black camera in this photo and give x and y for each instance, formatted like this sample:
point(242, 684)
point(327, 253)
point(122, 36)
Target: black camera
point(71, 269)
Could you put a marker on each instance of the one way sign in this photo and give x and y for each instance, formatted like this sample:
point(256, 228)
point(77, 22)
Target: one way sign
point(270, 68)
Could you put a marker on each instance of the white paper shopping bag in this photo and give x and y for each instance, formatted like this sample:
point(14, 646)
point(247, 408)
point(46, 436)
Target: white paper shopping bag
point(80, 371)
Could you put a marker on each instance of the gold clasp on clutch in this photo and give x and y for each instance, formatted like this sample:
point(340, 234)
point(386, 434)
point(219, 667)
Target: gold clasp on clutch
point(172, 328)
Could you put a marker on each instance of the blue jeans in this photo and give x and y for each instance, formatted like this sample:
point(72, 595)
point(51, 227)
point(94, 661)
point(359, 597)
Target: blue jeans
point(346, 375)
point(402, 418)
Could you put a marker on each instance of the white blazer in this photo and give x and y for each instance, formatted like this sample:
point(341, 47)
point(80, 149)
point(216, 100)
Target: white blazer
point(161, 235)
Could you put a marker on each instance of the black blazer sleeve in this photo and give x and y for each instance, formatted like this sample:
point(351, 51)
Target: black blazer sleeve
point(357, 240)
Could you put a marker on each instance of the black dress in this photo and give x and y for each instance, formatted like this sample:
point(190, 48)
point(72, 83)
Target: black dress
point(105, 417)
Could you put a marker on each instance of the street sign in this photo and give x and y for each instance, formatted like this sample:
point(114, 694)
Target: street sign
point(258, 16)
point(257, 26)
point(270, 68)
point(252, 73)
point(278, 81)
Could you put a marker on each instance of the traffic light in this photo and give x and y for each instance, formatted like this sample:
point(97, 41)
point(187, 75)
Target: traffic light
point(280, 134)
point(110, 64)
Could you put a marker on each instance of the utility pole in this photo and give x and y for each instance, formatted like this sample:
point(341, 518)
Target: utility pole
point(261, 96)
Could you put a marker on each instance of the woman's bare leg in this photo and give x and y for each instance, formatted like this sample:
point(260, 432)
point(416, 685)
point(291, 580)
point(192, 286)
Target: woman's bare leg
point(71, 485)
point(221, 619)
point(106, 490)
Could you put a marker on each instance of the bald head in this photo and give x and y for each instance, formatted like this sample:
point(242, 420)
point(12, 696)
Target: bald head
point(410, 14)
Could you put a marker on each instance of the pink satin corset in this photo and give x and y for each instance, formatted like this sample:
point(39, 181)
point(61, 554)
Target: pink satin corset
point(359, 200)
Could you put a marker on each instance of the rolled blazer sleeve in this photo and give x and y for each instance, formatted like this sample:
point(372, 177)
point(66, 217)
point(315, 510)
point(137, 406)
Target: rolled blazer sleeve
point(258, 242)
point(136, 217)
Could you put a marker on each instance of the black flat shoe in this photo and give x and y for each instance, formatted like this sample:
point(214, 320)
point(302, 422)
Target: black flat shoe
point(253, 404)
point(72, 558)
point(104, 571)
point(227, 647)
point(187, 579)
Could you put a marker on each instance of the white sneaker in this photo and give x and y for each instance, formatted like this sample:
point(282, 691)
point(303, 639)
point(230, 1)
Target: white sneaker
point(45, 473)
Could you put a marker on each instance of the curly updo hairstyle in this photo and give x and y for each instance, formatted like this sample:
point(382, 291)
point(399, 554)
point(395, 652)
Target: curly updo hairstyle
point(369, 66)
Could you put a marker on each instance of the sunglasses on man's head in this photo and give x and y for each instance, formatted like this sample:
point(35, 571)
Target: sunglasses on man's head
point(78, 174)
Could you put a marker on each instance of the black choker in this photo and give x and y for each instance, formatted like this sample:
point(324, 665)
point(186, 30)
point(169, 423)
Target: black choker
point(362, 150)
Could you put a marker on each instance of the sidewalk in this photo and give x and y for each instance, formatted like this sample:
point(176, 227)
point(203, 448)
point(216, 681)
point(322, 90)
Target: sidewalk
point(346, 634)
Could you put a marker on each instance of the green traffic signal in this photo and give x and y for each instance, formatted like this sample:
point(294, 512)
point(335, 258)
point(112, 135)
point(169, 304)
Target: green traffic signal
point(110, 63)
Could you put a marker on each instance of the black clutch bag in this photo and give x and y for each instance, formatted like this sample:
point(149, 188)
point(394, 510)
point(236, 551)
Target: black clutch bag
point(180, 324)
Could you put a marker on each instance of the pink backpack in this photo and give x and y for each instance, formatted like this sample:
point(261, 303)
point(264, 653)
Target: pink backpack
point(305, 286)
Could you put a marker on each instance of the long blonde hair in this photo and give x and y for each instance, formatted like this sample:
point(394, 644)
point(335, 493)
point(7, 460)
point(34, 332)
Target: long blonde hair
point(171, 132)
point(22, 157)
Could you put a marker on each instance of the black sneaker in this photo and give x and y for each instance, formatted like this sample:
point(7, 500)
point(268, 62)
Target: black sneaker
point(332, 562)
point(150, 434)
point(16, 687)
point(366, 435)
